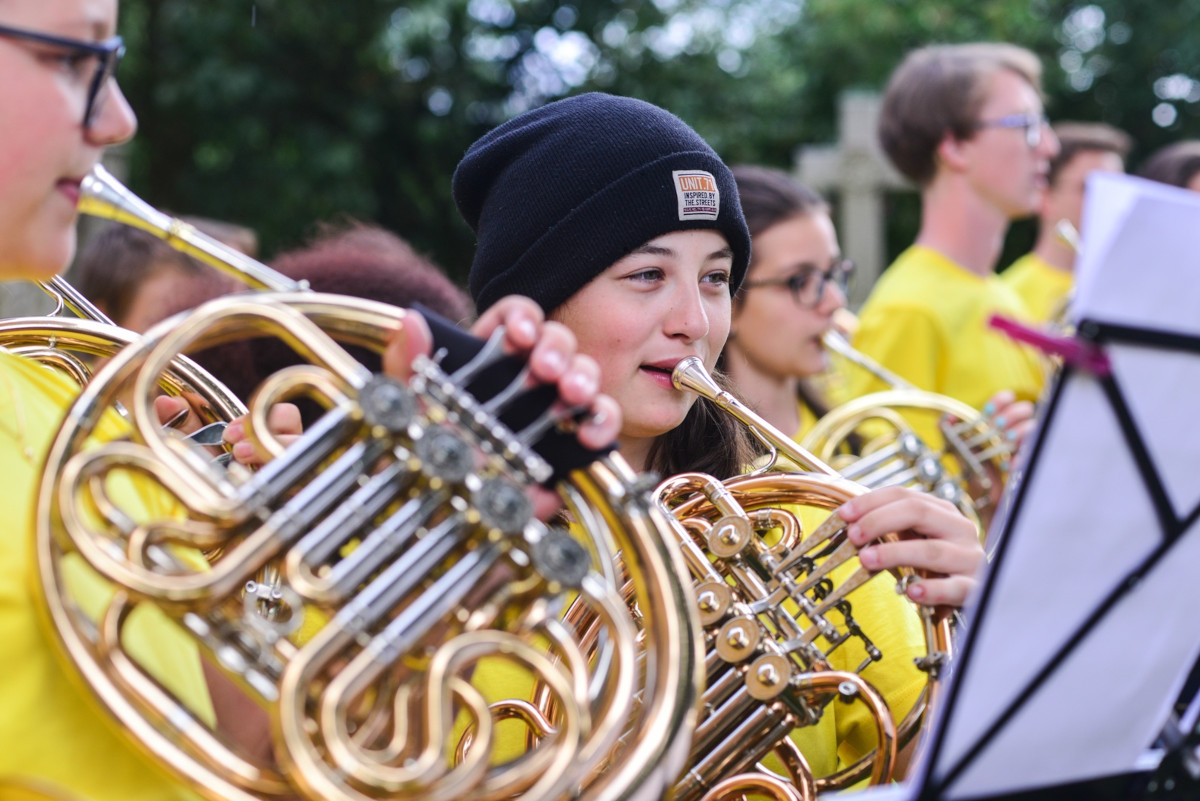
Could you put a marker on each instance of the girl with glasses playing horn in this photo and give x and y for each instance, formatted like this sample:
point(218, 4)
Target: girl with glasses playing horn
point(795, 284)
point(624, 226)
point(59, 109)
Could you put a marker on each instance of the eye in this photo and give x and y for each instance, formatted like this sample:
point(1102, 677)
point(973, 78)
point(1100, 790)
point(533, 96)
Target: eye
point(75, 63)
point(801, 280)
point(717, 278)
point(646, 274)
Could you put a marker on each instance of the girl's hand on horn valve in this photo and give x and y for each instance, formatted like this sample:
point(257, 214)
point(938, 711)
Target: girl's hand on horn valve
point(283, 420)
point(936, 539)
point(553, 356)
point(284, 424)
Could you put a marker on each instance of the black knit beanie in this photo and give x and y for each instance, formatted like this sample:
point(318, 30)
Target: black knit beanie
point(558, 194)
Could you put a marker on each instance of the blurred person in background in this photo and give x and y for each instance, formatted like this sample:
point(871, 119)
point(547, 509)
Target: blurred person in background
point(354, 259)
point(966, 124)
point(137, 279)
point(1044, 277)
point(1177, 164)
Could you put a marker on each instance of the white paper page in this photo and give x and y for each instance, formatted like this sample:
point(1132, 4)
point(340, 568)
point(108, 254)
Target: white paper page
point(1057, 563)
point(1157, 385)
point(1085, 520)
point(1132, 280)
point(1154, 262)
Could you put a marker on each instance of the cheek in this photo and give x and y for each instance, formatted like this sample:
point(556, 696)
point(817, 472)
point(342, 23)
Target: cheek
point(720, 322)
point(615, 362)
point(772, 321)
point(609, 384)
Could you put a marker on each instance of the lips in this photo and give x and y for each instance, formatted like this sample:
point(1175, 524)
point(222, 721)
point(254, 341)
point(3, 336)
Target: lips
point(664, 365)
point(70, 188)
point(660, 371)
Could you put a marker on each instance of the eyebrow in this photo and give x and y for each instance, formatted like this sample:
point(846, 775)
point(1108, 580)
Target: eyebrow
point(653, 250)
point(811, 266)
point(658, 250)
point(88, 26)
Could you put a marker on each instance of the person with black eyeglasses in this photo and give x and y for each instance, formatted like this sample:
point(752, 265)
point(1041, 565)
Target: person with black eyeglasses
point(966, 124)
point(60, 107)
point(93, 63)
point(796, 282)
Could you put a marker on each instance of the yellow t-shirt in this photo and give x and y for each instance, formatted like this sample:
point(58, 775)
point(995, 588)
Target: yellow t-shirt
point(1042, 287)
point(927, 321)
point(808, 419)
point(846, 731)
point(54, 733)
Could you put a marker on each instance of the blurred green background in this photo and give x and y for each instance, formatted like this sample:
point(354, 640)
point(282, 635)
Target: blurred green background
point(279, 114)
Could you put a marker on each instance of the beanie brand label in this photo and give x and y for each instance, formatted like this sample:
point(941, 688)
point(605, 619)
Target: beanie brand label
point(699, 197)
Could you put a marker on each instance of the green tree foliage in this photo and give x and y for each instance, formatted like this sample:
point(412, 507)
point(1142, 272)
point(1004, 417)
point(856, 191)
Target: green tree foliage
point(283, 113)
point(1134, 65)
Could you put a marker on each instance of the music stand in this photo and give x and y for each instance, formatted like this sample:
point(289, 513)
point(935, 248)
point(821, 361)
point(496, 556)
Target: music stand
point(1087, 624)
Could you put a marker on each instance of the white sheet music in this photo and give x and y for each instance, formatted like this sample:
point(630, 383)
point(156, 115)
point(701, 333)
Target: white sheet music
point(1084, 520)
point(1138, 263)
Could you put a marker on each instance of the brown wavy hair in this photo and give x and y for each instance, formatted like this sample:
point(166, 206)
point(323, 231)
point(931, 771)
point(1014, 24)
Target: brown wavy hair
point(353, 259)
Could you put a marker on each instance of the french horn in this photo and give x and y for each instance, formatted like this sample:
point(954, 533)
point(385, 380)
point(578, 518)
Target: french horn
point(361, 586)
point(776, 591)
point(776, 587)
point(969, 466)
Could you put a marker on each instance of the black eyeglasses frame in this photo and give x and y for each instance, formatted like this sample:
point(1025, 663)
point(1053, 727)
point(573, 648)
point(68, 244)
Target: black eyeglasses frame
point(1034, 125)
point(839, 274)
point(108, 54)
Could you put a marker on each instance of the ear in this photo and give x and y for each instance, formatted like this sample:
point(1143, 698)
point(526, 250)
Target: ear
point(951, 151)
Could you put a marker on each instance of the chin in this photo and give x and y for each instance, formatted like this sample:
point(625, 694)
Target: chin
point(42, 257)
point(655, 423)
point(35, 267)
point(818, 362)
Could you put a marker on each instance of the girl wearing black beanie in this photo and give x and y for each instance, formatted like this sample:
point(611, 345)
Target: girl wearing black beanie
point(625, 226)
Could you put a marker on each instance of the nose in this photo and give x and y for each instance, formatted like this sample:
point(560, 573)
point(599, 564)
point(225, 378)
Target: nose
point(1049, 144)
point(115, 123)
point(832, 299)
point(688, 318)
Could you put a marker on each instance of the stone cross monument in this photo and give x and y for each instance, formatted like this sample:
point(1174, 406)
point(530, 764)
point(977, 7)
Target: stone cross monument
point(857, 171)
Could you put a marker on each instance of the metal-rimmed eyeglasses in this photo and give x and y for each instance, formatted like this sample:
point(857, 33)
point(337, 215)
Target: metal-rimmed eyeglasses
point(1033, 124)
point(807, 284)
point(108, 55)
